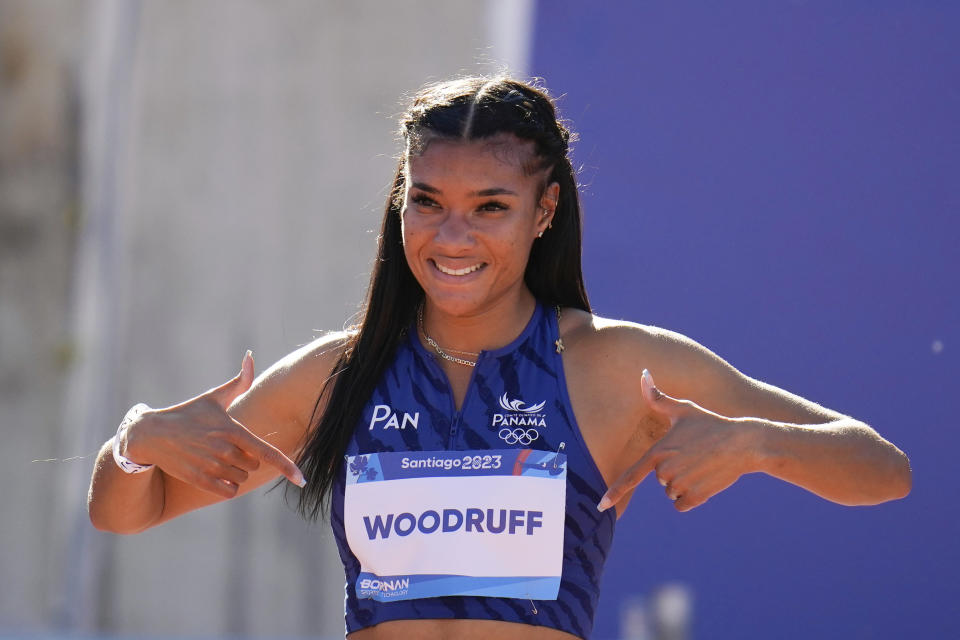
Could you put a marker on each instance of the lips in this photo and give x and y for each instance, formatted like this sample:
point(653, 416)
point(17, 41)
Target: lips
point(462, 271)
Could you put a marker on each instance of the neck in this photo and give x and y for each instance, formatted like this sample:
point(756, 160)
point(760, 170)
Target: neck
point(483, 330)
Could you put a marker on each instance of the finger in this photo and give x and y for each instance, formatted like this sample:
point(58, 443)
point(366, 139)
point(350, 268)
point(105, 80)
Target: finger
point(673, 493)
point(231, 454)
point(242, 459)
point(666, 471)
point(269, 454)
point(658, 400)
point(672, 407)
point(225, 394)
point(702, 486)
point(232, 474)
point(630, 478)
point(690, 500)
point(697, 486)
point(212, 484)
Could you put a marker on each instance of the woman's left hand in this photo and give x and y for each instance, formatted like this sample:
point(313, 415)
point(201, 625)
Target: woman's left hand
point(701, 454)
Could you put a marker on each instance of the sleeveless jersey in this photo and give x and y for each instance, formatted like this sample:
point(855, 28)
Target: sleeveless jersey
point(517, 399)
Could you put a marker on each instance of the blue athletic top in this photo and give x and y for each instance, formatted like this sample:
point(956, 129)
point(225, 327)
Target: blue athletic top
point(506, 385)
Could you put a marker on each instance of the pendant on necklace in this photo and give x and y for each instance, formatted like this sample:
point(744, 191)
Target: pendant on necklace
point(559, 340)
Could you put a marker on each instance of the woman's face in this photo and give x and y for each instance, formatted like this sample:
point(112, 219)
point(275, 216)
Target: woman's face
point(470, 215)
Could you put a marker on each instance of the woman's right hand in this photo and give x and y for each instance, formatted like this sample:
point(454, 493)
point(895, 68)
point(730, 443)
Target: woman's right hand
point(200, 444)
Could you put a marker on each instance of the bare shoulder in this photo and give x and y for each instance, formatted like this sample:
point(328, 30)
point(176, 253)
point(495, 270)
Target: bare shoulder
point(608, 333)
point(606, 357)
point(621, 347)
point(620, 350)
point(602, 361)
point(308, 364)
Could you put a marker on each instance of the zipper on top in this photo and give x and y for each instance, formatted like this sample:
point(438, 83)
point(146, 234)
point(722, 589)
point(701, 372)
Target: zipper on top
point(458, 415)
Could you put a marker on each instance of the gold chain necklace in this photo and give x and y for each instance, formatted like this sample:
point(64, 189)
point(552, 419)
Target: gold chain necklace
point(443, 354)
point(468, 363)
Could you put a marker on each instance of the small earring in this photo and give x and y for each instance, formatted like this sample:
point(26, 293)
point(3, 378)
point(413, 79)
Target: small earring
point(540, 235)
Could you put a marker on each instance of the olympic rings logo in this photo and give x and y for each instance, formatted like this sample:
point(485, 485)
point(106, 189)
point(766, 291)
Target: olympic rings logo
point(519, 436)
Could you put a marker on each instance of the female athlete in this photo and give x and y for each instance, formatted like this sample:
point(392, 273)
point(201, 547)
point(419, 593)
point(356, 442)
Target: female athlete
point(477, 435)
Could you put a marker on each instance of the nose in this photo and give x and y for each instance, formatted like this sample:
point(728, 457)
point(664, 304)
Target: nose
point(454, 232)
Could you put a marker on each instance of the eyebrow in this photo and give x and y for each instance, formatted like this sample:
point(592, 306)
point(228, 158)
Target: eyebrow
point(493, 191)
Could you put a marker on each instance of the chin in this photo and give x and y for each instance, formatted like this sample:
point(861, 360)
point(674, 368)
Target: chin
point(467, 304)
point(456, 299)
point(456, 305)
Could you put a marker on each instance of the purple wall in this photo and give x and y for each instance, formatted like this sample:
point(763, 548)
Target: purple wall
point(779, 181)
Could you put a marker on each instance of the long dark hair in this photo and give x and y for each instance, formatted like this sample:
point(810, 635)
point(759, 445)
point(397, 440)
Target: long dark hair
point(468, 108)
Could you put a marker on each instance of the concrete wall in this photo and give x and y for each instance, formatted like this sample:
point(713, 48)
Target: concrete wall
point(232, 165)
point(40, 45)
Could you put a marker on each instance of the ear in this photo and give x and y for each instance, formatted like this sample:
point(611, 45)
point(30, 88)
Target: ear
point(548, 206)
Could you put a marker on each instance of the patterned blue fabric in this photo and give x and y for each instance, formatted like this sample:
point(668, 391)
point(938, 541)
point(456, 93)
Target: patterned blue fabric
point(500, 411)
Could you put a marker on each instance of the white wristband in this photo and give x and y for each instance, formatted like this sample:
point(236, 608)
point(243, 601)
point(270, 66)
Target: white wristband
point(129, 466)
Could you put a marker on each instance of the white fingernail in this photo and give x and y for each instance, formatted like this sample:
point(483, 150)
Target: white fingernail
point(604, 504)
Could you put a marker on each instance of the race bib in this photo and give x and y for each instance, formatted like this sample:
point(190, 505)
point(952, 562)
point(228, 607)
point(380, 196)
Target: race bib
point(438, 523)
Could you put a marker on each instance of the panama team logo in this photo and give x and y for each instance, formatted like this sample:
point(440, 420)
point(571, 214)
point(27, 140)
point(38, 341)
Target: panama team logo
point(516, 406)
point(519, 423)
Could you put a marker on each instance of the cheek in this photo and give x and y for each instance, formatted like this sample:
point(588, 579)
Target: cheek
point(408, 239)
point(519, 249)
point(415, 237)
point(409, 233)
point(412, 226)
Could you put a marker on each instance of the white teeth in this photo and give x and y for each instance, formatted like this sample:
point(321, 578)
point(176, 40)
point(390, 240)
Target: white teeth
point(457, 272)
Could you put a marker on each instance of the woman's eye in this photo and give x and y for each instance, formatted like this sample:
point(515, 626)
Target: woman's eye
point(424, 201)
point(493, 206)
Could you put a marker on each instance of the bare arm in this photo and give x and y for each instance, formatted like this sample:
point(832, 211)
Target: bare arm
point(219, 445)
point(844, 461)
point(120, 502)
point(723, 424)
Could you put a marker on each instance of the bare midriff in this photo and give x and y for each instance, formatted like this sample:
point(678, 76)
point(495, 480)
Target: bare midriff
point(458, 630)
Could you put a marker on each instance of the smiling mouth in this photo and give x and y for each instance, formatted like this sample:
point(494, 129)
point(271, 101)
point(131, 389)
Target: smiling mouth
point(458, 272)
